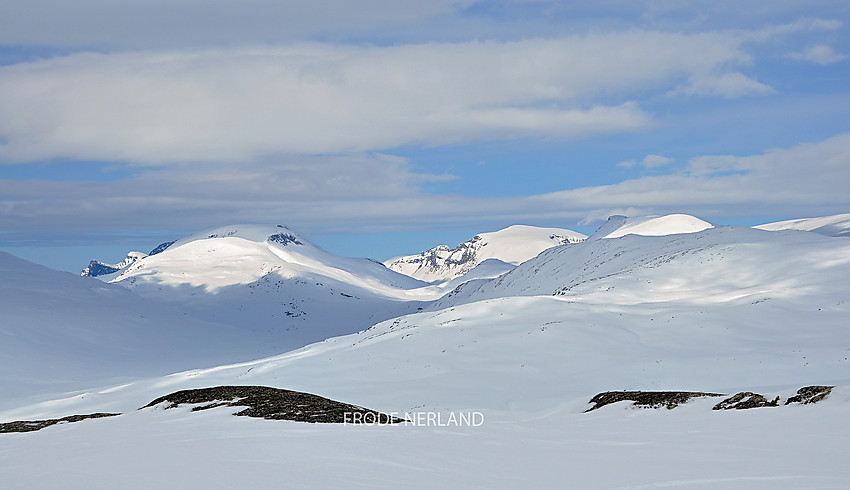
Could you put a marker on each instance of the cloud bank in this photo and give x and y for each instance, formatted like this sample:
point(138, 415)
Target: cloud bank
point(245, 103)
point(377, 192)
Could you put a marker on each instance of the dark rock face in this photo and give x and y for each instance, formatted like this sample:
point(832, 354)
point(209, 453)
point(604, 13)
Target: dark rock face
point(284, 239)
point(810, 394)
point(745, 400)
point(161, 247)
point(34, 425)
point(96, 269)
point(275, 404)
point(647, 399)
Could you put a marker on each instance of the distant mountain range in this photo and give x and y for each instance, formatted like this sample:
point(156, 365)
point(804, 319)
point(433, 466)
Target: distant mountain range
point(651, 305)
point(512, 245)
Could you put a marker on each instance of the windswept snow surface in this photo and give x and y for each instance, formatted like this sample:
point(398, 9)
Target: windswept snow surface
point(268, 278)
point(512, 245)
point(725, 310)
point(835, 226)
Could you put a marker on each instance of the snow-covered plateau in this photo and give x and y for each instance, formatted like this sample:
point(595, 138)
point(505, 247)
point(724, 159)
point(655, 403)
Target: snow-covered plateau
point(836, 225)
point(652, 304)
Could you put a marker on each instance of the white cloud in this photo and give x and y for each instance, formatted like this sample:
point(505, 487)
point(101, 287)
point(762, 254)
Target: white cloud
point(238, 104)
point(729, 85)
point(649, 161)
point(820, 54)
point(790, 181)
point(325, 190)
point(805, 24)
point(372, 192)
point(653, 161)
point(168, 23)
point(145, 24)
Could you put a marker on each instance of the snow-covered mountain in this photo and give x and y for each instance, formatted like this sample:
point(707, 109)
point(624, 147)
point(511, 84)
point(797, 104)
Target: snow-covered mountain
point(731, 262)
point(836, 226)
point(669, 224)
point(269, 279)
point(512, 245)
point(107, 272)
point(723, 310)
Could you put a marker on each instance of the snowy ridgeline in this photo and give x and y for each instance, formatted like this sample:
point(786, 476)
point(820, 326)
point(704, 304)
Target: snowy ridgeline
point(510, 246)
point(836, 226)
point(720, 310)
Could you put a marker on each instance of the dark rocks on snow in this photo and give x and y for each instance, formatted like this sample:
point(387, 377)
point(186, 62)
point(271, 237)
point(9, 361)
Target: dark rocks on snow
point(647, 399)
point(284, 239)
point(810, 394)
point(275, 404)
point(745, 400)
point(97, 268)
point(161, 247)
point(34, 425)
point(738, 401)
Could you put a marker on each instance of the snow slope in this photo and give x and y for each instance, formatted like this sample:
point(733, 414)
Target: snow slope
point(724, 310)
point(513, 245)
point(690, 447)
point(836, 226)
point(723, 262)
point(271, 280)
point(60, 332)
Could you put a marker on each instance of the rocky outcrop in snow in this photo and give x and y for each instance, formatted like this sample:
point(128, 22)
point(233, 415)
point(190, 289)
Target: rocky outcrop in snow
point(99, 269)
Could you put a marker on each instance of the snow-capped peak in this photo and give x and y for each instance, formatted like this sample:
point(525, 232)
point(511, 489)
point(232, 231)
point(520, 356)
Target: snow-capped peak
point(513, 245)
point(240, 254)
point(669, 224)
point(270, 278)
point(251, 232)
point(106, 271)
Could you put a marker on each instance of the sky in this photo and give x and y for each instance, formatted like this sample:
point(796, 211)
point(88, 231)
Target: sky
point(385, 127)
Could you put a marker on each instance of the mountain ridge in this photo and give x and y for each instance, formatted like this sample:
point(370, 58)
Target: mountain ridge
point(837, 225)
point(513, 245)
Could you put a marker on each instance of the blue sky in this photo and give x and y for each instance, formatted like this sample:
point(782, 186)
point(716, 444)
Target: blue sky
point(381, 128)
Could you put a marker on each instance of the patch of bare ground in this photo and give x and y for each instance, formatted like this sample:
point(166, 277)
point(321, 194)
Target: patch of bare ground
point(34, 425)
point(647, 399)
point(274, 404)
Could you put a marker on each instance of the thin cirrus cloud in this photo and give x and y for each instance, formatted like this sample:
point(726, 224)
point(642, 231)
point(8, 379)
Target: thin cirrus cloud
point(821, 54)
point(729, 85)
point(649, 161)
point(806, 178)
point(157, 107)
